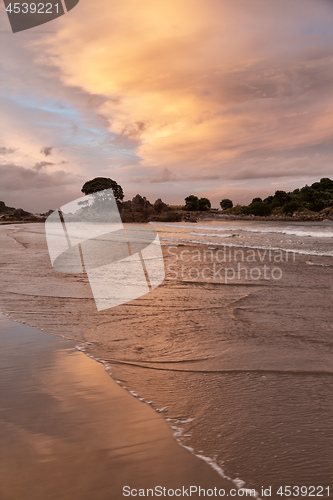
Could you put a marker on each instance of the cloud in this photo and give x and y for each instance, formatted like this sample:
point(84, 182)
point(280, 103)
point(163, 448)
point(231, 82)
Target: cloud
point(164, 176)
point(6, 151)
point(46, 150)
point(42, 164)
point(17, 178)
point(35, 189)
point(201, 86)
point(177, 96)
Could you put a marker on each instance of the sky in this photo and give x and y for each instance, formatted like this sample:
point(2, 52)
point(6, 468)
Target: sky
point(217, 98)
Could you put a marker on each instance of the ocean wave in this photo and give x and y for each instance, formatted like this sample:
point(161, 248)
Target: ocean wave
point(150, 366)
point(178, 432)
point(245, 245)
point(288, 231)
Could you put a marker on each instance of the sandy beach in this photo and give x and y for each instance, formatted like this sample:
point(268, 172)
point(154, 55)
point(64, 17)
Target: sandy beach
point(68, 430)
point(240, 371)
point(166, 250)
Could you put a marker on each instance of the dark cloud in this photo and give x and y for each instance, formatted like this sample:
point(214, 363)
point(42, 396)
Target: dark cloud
point(18, 178)
point(134, 131)
point(274, 79)
point(6, 151)
point(46, 150)
point(42, 164)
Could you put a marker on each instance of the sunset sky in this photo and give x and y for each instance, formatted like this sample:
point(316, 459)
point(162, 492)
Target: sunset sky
point(218, 98)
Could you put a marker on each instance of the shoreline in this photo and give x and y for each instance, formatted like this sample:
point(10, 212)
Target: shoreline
point(202, 216)
point(22, 316)
point(73, 433)
point(19, 306)
point(33, 292)
point(185, 216)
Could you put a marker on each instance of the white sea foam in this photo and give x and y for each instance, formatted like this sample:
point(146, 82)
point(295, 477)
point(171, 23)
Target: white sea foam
point(214, 465)
point(254, 247)
point(182, 422)
point(323, 232)
point(134, 394)
point(162, 410)
point(224, 235)
point(178, 431)
point(320, 264)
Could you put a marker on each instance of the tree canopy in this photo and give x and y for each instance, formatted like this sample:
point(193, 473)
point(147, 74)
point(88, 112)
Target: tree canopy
point(226, 203)
point(193, 203)
point(316, 197)
point(204, 204)
point(101, 183)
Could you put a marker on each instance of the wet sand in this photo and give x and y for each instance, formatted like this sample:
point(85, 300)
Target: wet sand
point(235, 364)
point(68, 430)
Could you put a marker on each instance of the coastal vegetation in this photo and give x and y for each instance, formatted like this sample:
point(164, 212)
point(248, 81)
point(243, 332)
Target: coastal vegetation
point(139, 209)
point(314, 198)
point(194, 203)
point(315, 201)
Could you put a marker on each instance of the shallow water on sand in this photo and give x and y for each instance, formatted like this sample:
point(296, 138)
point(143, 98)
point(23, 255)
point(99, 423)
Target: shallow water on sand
point(69, 432)
point(241, 368)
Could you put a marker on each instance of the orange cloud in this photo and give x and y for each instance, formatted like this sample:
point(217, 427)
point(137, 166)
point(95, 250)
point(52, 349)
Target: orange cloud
point(200, 85)
point(192, 92)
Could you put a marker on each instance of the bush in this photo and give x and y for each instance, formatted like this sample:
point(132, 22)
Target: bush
point(192, 203)
point(226, 203)
point(204, 204)
point(290, 207)
point(280, 198)
point(259, 208)
point(317, 205)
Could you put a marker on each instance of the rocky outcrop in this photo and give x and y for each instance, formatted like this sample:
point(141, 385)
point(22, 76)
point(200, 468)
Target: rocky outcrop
point(139, 209)
point(327, 213)
point(297, 216)
point(4, 208)
point(10, 215)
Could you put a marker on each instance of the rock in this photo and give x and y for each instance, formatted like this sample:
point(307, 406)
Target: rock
point(168, 216)
point(160, 206)
point(19, 212)
point(189, 217)
point(126, 215)
point(139, 216)
point(5, 209)
point(139, 209)
point(49, 212)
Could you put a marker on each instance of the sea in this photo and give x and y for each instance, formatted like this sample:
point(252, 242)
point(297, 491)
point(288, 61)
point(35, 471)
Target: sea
point(234, 349)
point(240, 364)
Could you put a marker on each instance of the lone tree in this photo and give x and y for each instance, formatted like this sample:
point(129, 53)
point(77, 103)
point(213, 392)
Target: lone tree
point(101, 183)
point(226, 203)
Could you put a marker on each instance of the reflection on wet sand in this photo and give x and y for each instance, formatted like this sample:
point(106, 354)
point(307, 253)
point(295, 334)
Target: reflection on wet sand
point(70, 432)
